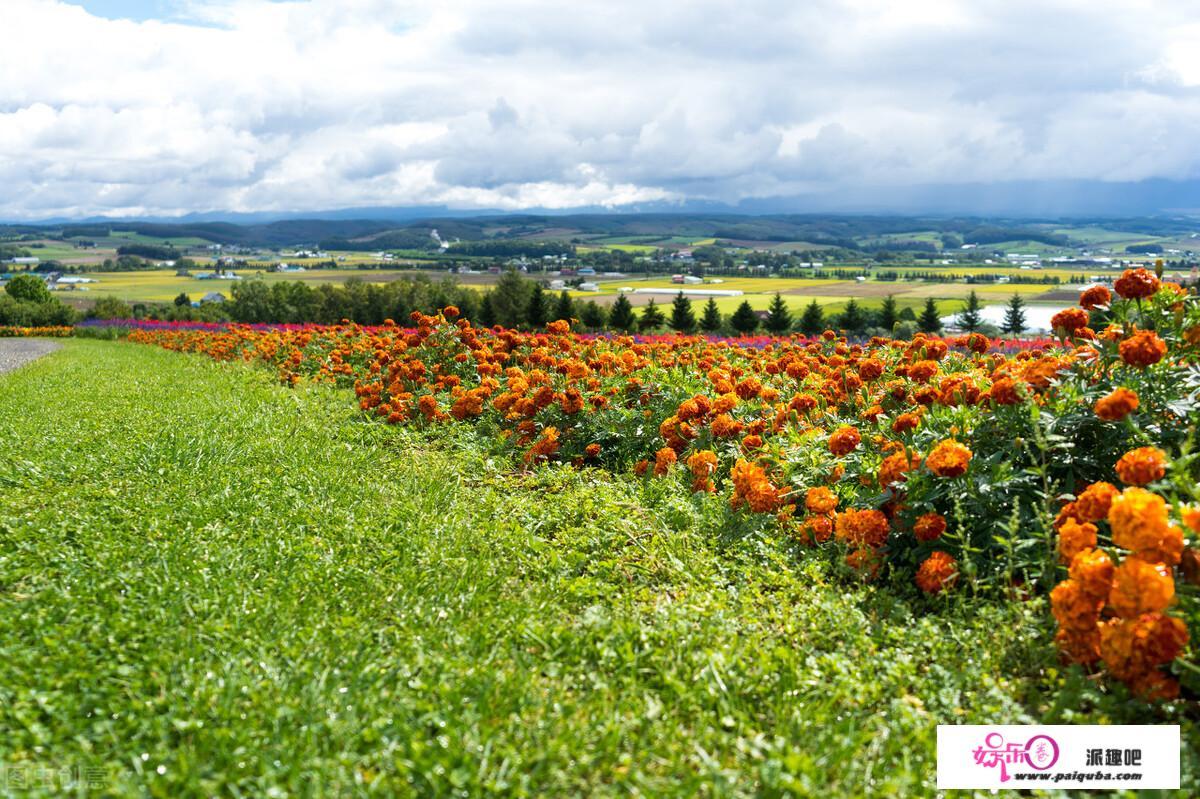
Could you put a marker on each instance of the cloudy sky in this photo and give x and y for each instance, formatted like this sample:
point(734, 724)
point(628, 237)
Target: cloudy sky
point(159, 107)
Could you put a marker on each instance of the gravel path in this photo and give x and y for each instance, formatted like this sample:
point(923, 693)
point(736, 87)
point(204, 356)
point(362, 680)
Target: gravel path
point(16, 352)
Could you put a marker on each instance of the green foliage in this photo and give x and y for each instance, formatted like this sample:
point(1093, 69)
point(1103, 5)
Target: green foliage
point(853, 319)
point(970, 319)
point(536, 310)
point(651, 319)
point(621, 316)
point(27, 288)
point(888, 315)
point(110, 308)
point(710, 322)
point(593, 316)
point(250, 592)
point(564, 308)
point(683, 319)
point(26, 302)
point(1014, 316)
point(930, 321)
point(812, 322)
point(744, 320)
point(366, 303)
point(510, 299)
point(779, 318)
point(183, 299)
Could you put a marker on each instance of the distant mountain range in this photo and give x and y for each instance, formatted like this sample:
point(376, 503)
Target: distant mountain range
point(1029, 200)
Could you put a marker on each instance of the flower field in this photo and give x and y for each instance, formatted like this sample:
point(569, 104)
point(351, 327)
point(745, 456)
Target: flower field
point(949, 467)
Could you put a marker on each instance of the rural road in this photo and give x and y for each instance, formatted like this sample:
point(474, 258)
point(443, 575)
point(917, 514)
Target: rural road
point(16, 352)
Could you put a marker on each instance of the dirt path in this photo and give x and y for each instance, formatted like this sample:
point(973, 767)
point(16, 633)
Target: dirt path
point(16, 352)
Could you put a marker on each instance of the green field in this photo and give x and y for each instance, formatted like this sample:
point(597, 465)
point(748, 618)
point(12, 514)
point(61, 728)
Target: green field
point(830, 293)
point(213, 585)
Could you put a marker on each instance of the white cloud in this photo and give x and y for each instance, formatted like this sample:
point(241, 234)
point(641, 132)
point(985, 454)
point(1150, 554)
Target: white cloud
point(252, 105)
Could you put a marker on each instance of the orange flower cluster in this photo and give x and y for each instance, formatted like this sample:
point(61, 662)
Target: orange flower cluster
point(1143, 349)
point(752, 487)
point(939, 571)
point(1117, 405)
point(1142, 465)
point(1136, 284)
point(776, 425)
point(1117, 613)
point(949, 459)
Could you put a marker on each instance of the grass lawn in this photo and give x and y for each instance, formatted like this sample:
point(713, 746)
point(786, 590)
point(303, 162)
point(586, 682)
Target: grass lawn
point(213, 585)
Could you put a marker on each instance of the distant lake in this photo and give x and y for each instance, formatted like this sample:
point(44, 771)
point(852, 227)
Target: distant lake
point(1037, 317)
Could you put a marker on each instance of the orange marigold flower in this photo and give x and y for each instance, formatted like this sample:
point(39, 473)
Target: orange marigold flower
point(640, 467)
point(1094, 502)
point(929, 526)
point(1095, 297)
point(1142, 349)
point(1139, 523)
point(545, 447)
point(1191, 517)
point(1142, 465)
point(752, 487)
point(1069, 319)
point(1005, 392)
point(1073, 609)
point(664, 459)
point(702, 463)
point(906, 421)
point(1092, 569)
point(1074, 537)
point(1139, 587)
point(894, 468)
point(1079, 646)
point(948, 459)
point(843, 440)
point(1136, 283)
point(1117, 405)
point(1133, 648)
point(862, 527)
point(865, 561)
point(725, 426)
point(820, 500)
point(938, 572)
point(592, 450)
point(816, 529)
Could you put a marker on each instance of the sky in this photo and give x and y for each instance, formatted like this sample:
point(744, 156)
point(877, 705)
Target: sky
point(169, 107)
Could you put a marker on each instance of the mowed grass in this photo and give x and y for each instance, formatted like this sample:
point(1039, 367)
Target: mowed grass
point(213, 585)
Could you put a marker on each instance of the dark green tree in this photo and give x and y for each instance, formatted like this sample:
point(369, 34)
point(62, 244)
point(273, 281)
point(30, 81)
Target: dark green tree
point(510, 299)
point(537, 309)
point(710, 322)
point(110, 308)
point(27, 288)
point(887, 313)
point(651, 319)
point(564, 308)
point(812, 321)
point(683, 318)
point(779, 318)
point(621, 316)
point(852, 320)
point(929, 321)
point(487, 314)
point(907, 315)
point(1014, 316)
point(744, 319)
point(971, 319)
point(592, 315)
point(182, 300)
